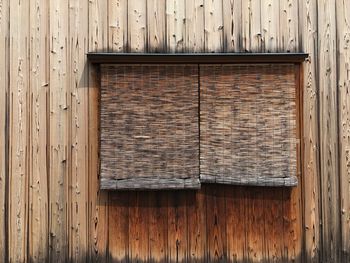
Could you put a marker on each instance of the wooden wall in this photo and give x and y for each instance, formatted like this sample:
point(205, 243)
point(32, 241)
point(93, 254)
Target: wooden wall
point(51, 209)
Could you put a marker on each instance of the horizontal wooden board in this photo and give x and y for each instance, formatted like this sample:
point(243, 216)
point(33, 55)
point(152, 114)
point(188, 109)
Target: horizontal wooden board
point(190, 58)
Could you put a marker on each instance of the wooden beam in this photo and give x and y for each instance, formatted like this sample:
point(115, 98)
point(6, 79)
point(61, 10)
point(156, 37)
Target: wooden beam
point(190, 58)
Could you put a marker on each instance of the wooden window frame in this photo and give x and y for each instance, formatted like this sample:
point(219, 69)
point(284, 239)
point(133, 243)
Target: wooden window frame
point(222, 58)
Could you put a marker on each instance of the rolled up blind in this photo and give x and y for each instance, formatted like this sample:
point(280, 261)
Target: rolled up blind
point(149, 127)
point(248, 124)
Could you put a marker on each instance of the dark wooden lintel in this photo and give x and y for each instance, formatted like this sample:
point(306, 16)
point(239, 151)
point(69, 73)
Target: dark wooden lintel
point(194, 58)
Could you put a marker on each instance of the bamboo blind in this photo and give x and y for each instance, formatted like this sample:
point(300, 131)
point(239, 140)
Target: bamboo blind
point(248, 124)
point(152, 136)
point(149, 127)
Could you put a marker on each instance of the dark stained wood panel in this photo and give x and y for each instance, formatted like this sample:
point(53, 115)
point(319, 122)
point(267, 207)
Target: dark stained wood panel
point(248, 124)
point(218, 223)
point(149, 127)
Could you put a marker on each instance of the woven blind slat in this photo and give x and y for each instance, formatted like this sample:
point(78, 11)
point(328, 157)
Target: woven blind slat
point(248, 124)
point(149, 127)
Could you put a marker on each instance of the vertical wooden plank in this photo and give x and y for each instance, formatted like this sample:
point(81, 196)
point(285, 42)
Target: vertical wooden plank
point(235, 228)
point(98, 25)
point(177, 226)
point(117, 25)
point(213, 25)
point(39, 130)
point(138, 227)
point(156, 26)
point(216, 224)
point(255, 26)
point(194, 31)
point(196, 220)
point(292, 210)
point(98, 200)
point(291, 225)
point(343, 47)
point(4, 84)
point(270, 25)
point(310, 140)
point(18, 133)
point(78, 83)
point(273, 213)
point(175, 25)
point(137, 25)
point(329, 173)
point(59, 131)
point(289, 19)
point(232, 21)
point(245, 26)
point(254, 220)
point(251, 26)
point(118, 227)
point(158, 226)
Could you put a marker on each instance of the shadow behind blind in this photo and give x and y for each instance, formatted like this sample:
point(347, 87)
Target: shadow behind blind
point(149, 127)
point(248, 124)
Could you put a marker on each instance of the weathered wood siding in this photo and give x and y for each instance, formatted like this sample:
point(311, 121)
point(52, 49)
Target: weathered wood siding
point(51, 208)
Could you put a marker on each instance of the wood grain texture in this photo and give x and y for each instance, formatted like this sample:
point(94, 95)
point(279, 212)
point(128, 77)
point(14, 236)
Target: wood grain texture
point(310, 142)
point(197, 226)
point(270, 25)
point(59, 131)
point(175, 25)
point(232, 20)
point(156, 33)
point(139, 230)
point(177, 243)
point(18, 130)
point(328, 97)
point(343, 79)
point(39, 102)
point(273, 216)
point(97, 200)
point(39, 131)
point(288, 36)
point(236, 212)
point(158, 226)
point(4, 100)
point(78, 174)
point(137, 25)
point(118, 233)
point(117, 25)
point(194, 31)
point(255, 29)
point(216, 225)
point(213, 26)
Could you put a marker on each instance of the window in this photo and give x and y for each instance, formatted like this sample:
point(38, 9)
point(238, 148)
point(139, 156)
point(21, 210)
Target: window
point(177, 121)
